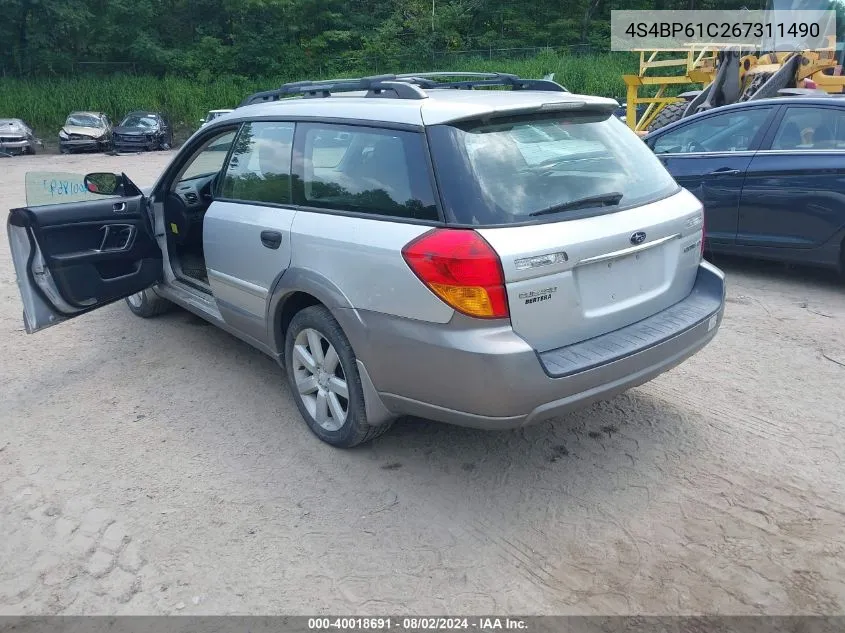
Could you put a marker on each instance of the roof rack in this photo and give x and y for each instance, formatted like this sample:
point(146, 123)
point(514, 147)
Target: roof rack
point(404, 86)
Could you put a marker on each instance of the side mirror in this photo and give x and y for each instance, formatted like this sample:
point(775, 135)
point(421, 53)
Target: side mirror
point(105, 183)
point(202, 120)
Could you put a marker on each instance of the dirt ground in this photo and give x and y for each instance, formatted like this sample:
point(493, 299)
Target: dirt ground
point(160, 466)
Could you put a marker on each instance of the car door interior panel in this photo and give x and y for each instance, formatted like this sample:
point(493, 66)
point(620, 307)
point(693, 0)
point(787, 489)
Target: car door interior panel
point(95, 251)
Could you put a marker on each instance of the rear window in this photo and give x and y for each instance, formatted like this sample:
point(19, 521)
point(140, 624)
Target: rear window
point(527, 169)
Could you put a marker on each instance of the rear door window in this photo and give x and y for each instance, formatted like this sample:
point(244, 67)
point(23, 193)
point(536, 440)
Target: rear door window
point(811, 128)
point(365, 170)
point(259, 167)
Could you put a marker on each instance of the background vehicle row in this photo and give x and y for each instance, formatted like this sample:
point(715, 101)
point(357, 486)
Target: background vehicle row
point(93, 131)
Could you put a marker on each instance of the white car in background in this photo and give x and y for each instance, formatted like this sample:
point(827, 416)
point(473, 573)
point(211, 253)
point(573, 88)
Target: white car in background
point(213, 114)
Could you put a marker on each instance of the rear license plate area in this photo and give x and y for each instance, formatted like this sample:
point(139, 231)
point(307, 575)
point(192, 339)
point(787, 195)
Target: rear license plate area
point(621, 280)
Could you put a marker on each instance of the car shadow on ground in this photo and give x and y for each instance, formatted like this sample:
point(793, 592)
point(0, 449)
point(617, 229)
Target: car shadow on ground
point(603, 447)
point(777, 271)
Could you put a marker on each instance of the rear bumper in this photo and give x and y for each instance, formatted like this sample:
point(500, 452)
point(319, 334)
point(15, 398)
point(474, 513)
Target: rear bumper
point(492, 379)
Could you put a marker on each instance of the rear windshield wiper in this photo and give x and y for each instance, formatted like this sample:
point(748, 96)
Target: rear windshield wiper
point(611, 198)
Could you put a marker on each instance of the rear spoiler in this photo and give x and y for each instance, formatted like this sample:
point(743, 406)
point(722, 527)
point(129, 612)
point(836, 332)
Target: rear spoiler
point(598, 110)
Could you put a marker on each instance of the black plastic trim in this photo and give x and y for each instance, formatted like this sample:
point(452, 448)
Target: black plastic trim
point(705, 301)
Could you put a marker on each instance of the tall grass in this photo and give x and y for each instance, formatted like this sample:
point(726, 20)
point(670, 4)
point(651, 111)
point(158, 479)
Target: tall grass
point(45, 102)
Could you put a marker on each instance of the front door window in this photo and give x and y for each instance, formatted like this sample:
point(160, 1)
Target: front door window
point(726, 132)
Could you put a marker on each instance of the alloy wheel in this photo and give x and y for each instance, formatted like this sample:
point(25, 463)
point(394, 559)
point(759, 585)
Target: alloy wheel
point(136, 300)
point(320, 379)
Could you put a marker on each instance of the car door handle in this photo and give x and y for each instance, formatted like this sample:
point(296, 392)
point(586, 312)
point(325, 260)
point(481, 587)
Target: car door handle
point(119, 207)
point(271, 239)
point(116, 237)
point(724, 171)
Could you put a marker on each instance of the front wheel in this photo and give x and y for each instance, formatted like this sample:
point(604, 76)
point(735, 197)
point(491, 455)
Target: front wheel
point(147, 304)
point(323, 377)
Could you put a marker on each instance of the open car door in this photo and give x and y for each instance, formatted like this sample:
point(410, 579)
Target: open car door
point(81, 243)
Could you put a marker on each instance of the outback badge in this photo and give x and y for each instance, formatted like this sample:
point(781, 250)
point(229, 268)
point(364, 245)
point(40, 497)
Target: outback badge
point(638, 237)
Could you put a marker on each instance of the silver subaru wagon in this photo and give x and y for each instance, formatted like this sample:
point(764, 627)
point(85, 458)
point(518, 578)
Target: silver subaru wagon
point(403, 245)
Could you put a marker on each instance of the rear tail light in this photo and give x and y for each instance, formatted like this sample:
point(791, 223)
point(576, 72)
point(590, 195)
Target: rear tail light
point(462, 269)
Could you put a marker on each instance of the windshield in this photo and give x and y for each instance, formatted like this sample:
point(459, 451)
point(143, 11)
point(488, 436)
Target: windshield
point(518, 169)
point(140, 120)
point(84, 120)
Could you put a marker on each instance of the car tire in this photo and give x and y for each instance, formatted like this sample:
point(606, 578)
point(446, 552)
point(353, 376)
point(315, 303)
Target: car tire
point(671, 113)
point(147, 304)
point(319, 380)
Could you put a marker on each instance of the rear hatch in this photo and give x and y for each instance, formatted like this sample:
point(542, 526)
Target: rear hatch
point(592, 232)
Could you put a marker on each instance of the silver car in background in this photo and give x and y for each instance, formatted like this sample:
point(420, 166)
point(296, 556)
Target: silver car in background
point(16, 138)
point(403, 245)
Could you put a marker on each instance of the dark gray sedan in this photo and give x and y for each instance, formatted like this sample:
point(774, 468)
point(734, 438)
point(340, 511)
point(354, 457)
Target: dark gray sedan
point(143, 131)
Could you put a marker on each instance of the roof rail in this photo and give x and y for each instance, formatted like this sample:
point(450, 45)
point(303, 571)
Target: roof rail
point(404, 86)
point(376, 86)
point(474, 80)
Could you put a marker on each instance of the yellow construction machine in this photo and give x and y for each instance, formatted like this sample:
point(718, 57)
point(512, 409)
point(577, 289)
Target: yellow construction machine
point(725, 76)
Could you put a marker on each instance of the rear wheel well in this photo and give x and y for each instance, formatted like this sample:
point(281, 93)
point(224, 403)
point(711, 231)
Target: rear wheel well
point(296, 302)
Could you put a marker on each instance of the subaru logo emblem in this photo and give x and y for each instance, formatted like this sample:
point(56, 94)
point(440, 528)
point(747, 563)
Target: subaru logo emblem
point(638, 237)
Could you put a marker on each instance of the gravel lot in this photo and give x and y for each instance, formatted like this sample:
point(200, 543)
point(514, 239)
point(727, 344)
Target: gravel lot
point(160, 466)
